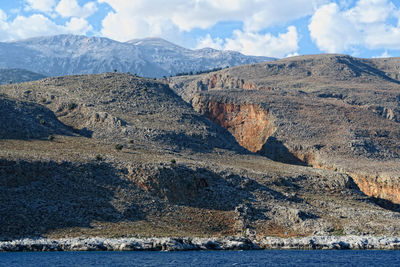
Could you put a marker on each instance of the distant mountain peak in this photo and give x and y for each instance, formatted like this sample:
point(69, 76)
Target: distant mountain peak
point(149, 39)
point(154, 42)
point(67, 54)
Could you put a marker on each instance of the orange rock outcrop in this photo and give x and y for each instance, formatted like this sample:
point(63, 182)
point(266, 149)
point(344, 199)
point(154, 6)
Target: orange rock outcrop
point(378, 186)
point(250, 124)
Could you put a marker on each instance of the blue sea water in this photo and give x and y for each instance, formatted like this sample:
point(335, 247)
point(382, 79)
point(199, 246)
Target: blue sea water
point(205, 258)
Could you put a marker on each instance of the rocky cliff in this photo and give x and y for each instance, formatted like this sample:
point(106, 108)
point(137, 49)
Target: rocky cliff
point(327, 111)
point(251, 125)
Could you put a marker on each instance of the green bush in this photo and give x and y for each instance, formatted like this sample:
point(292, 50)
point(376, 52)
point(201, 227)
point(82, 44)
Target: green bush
point(173, 161)
point(72, 106)
point(99, 158)
point(42, 121)
point(118, 147)
point(50, 137)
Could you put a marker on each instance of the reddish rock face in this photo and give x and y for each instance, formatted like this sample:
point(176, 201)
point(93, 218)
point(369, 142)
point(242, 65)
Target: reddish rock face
point(379, 187)
point(250, 124)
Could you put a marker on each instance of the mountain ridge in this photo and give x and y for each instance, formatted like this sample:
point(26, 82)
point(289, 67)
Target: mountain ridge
point(18, 75)
point(77, 54)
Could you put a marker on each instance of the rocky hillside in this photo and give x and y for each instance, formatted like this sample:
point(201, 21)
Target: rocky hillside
point(128, 157)
point(333, 112)
point(18, 76)
point(27, 120)
point(152, 57)
point(123, 107)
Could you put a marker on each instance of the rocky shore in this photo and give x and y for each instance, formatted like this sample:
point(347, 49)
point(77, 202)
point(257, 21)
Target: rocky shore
point(182, 244)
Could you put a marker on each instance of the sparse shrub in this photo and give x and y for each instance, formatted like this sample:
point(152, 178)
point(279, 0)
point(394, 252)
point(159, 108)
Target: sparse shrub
point(72, 106)
point(130, 141)
point(50, 137)
point(11, 82)
point(145, 89)
point(244, 232)
point(173, 161)
point(99, 158)
point(44, 100)
point(338, 232)
point(115, 70)
point(42, 121)
point(118, 147)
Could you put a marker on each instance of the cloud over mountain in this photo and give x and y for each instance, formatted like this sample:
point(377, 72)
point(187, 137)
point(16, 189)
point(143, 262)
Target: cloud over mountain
point(183, 16)
point(366, 28)
point(370, 23)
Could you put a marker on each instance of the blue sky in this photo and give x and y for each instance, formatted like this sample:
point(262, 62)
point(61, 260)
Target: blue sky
point(276, 28)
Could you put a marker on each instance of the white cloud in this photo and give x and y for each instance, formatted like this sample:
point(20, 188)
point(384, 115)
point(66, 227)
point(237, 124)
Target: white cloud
point(251, 43)
point(71, 8)
point(45, 6)
point(367, 24)
point(3, 22)
point(25, 27)
point(39, 25)
point(3, 15)
point(208, 41)
point(295, 54)
point(265, 14)
point(383, 55)
point(332, 30)
point(383, 36)
point(371, 11)
point(78, 26)
point(140, 18)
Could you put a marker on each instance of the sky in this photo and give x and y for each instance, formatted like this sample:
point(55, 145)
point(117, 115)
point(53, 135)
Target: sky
point(274, 28)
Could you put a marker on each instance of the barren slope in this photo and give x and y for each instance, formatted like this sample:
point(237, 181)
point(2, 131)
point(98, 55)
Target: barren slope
point(177, 174)
point(123, 108)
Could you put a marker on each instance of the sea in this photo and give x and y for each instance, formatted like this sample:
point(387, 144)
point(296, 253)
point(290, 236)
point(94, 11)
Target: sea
point(205, 258)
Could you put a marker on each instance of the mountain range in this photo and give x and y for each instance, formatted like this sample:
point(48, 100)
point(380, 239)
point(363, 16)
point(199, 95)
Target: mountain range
point(151, 57)
point(18, 76)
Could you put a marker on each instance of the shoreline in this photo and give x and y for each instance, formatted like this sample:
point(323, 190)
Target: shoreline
point(186, 244)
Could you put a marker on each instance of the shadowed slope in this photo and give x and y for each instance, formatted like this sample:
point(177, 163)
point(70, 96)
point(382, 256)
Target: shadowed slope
point(26, 120)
